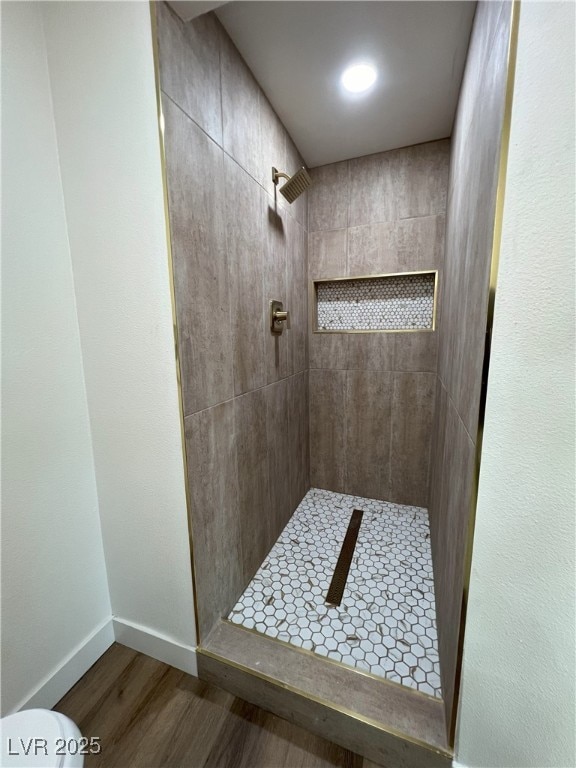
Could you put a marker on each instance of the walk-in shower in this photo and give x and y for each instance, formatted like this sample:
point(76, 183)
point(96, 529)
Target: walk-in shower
point(331, 343)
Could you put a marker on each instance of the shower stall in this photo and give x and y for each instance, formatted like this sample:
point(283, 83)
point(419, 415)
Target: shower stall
point(332, 346)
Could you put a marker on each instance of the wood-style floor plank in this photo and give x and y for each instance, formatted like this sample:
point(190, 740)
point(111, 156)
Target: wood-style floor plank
point(150, 715)
point(254, 737)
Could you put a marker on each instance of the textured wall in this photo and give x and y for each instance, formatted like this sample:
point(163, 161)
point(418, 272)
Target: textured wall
point(234, 248)
point(463, 310)
point(517, 706)
point(372, 395)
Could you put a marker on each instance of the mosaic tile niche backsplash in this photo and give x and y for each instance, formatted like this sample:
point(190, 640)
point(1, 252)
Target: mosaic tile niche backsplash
point(391, 303)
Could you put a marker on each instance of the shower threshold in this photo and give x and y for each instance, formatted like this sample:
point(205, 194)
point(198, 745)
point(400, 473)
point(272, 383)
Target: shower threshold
point(386, 622)
point(363, 674)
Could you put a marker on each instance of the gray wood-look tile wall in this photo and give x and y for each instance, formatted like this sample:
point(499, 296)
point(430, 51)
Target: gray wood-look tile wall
point(462, 322)
point(235, 246)
point(372, 395)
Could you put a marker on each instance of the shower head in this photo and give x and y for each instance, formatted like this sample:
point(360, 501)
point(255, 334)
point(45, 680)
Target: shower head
point(295, 185)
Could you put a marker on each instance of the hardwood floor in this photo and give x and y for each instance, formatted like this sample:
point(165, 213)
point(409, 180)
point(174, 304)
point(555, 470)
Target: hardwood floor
point(150, 715)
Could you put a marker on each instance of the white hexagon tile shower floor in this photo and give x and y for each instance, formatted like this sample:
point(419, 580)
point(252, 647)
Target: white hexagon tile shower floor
point(386, 623)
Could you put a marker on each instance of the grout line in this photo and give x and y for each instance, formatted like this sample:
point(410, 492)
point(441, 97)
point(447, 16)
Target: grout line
point(243, 394)
point(231, 157)
point(370, 370)
point(377, 222)
point(422, 216)
point(196, 123)
point(383, 152)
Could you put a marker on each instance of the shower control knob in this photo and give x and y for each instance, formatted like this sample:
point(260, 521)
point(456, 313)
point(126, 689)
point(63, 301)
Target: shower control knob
point(279, 318)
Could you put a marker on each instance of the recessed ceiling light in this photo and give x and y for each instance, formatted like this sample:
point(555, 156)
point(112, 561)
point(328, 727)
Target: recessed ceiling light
point(359, 78)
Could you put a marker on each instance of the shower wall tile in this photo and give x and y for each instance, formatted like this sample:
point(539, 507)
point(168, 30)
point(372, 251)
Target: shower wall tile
point(287, 441)
point(279, 456)
point(246, 264)
point(386, 419)
point(324, 350)
point(404, 183)
point(248, 469)
point(453, 292)
point(327, 429)
point(378, 240)
point(416, 351)
point(189, 57)
point(448, 537)
point(407, 245)
point(236, 244)
point(419, 243)
point(298, 438)
point(330, 351)
point(273, 145)
point(328, 197)
point(232, 236)
point(413, 409)
point(372, 250)
point(369, 404)
point(197, 226)
point(216, 524)
point(467, 373)
point(483, 181)
point(462, 316)
point(275, 236)
point(240, 109)
point(423, 179)
point(374, 187)
point(436, 477)
point(327, 253)
point(493, 19)
point(253, 487)
point(470, 306)
point(297, 272)
point(472, 199)
point(372, 351)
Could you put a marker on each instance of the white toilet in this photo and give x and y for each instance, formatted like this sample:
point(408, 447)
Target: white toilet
point(40, 738)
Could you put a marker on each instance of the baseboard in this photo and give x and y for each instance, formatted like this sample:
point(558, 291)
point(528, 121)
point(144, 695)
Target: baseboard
point(77, 663)
point(160, 647)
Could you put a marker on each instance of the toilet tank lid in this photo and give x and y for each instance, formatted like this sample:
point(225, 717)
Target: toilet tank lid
point(18, 733)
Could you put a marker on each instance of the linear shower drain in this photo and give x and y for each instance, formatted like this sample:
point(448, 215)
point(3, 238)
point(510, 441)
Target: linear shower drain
point(340, 576)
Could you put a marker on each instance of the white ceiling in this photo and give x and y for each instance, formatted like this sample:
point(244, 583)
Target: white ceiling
point(298, 50)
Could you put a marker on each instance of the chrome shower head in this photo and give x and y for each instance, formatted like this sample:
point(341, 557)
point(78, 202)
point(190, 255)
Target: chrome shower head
point(295, 185)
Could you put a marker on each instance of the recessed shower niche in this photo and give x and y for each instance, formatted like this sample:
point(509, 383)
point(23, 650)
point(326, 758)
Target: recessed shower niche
point(368, 401)
point(401, 302)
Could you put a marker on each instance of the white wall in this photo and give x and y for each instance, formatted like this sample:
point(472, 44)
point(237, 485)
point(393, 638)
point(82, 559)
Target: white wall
point(101, 65)
point(94, 517)
point(517, 704)
point(54, 590)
